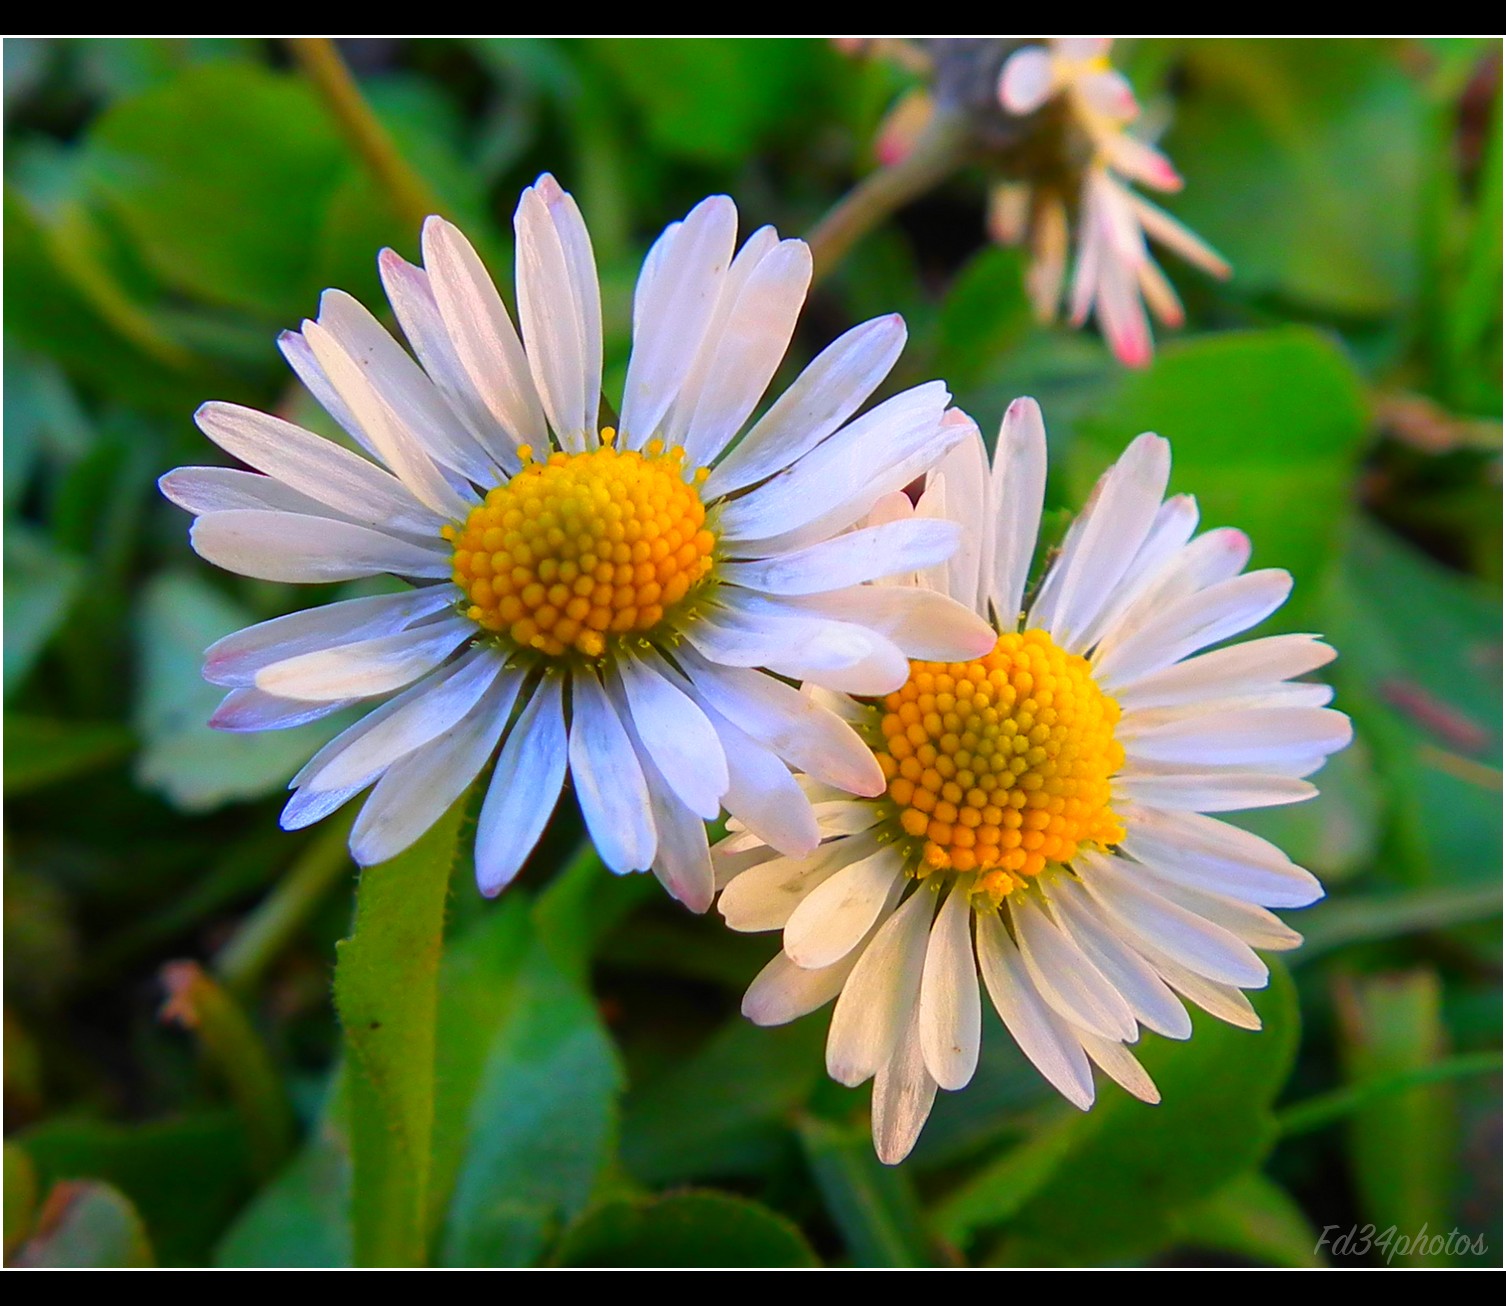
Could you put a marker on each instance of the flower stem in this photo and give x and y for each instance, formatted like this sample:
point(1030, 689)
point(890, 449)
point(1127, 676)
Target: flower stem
point(1325, 1108)
point(942, 148)
point(411, 198)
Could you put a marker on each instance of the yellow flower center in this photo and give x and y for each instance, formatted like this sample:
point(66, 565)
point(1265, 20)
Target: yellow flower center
point(1001, 766)
point(584, 546)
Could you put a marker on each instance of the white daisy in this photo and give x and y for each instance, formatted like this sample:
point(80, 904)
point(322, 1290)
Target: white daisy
point(598, 601)
point(1046, 822)
point(1115, 276)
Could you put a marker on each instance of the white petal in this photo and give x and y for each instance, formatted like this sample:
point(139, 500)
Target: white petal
point(1043, 1036)
point(447, 696)
point(1026, 81)
point(235, 659)
point(851, 559)
point(404, 389)
point(1160, 225)
point(1224, 1001)
point(1016, 493)
point(418, 789)
point(291, 547)
point(482, 332)
point(783, 991)
point(1119, 1064)
point(822, 397)
point(1259, 738)
point(1114, 530)
point(1214, 556)
point(835, 917)
point(1212, 791)
point(1152, 1003)
point(672, 308)
point(609, 782)
point(903, 1092)
point(950, 1012)
point(682, 861)
point(753, 341)
point(1175, 522)
point(1202, 852)
point(244, 710)
point(804, 734)
point(1247, 922)
point(764, 896)
point(1194, 622)
point(317, 468)
point(840, 479)
point(411, 294)
point(677, 735)
point(401, 447)
point(1240, 668)
point(300, 357)
point(1069, 982)
point(366, 667)
point(552, 314)
point(202, 490)
point(878, 1000)
point(1183, 935)
point(523, 788)
point(921, 623)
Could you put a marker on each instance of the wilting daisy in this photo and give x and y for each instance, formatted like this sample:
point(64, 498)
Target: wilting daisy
point(1070, 82)
point(600, 599)
point(1047, 819)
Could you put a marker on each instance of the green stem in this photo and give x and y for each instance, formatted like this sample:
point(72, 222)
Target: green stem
point(943, 147)
point(412, 199)
point(267, 930)
point(1325, 1108)
point(238, 1055)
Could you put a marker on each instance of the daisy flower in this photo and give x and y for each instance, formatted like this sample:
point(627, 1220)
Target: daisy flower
point(1047, 820)
point(1115, 276)
point(605, 601)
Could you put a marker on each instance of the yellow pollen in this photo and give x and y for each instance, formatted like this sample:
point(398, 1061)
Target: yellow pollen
point(582, 547)
point(1001, 766)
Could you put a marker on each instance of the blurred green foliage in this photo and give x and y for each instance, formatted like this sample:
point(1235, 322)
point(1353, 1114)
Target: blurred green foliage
point(594, 1097)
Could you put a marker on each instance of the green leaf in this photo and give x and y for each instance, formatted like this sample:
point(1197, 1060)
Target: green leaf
point(1286, 147)
point(41, 586)
point(715, 101)
point(1420, 672)
point(1266, 428)
point(693, 1230)
point(984, 317)
point(1368, 918)
point(179, 615)
point(386, 993)
point(186, 1176)
point(222, 176)
point(1255, 1218)
point(873, 1205)
point(86, 1225)
point(1104, 1187)
point(41, 752)
point(1401, 1147)
point(20, 1197)
point(723, 1109)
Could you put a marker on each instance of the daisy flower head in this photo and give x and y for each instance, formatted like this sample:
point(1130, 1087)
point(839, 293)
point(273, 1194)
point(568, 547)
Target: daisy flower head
point(1088, 108)
point(599, 600)
point(1049, 822)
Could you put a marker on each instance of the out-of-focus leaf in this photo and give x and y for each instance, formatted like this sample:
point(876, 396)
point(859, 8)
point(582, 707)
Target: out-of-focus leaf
point(41, 585)
point(724, 1109)
point(1286, 146)
point(186, 1176)
point(1097, 1188)
point(386, 993)
point(984, 316)
point(1426, 689)
point(1401, 1147)
point(1266, 428)
point(222, 176)
point(692, 1230)
point(197, 768)
point(20, 1197)
point(85, 1224)
point(1367, 918)
point(873, 1205)
point(715, 101)
point(40, 751)
point(1252, 1217)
